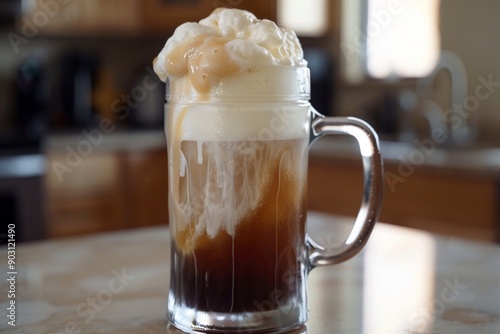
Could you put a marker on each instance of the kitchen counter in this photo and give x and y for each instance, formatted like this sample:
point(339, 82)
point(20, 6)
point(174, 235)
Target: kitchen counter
point(446, 191)
point(481, 162)
point(404, 281)
point(453, 192)
point(117, 140)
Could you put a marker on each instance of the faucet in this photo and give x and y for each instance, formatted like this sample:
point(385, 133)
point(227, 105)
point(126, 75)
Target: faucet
point(460, 130)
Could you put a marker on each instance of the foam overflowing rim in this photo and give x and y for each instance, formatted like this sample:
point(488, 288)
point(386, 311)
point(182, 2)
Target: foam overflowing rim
point(269, 82)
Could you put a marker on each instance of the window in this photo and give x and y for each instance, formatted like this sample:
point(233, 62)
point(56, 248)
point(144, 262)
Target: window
point(390, 38)
point(306, 18)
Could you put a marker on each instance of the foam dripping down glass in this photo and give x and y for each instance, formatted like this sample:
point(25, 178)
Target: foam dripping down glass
point(238, 139)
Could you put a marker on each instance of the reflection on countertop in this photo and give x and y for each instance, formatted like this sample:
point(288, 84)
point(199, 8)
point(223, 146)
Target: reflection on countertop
point(406, 281)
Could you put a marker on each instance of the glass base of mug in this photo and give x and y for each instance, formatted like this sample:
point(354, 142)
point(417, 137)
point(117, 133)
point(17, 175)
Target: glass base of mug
point(275, 321)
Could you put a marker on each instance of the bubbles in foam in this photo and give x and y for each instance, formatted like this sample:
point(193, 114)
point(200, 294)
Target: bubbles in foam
point(231, 37)
point(241, 121)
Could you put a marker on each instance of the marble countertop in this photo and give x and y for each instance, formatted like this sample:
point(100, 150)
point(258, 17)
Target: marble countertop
point(404, 281)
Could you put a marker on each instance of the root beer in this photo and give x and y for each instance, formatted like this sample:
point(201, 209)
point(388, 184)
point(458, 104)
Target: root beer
point(244, 206)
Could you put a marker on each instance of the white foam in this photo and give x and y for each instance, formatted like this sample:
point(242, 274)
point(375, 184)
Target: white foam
point(262, 82)
point(252, 122)
point(271, 68)
point(251, 41)
point(259, 103)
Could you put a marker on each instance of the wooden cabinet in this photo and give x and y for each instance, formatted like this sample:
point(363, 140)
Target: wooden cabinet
point(165, 15)
point(432, 200)
point(87, 199)
point(82, 17)
point(126, 17)
point(147, 180)
point(107, 191)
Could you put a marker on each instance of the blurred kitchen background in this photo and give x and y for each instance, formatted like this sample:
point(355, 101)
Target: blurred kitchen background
point(81, 143)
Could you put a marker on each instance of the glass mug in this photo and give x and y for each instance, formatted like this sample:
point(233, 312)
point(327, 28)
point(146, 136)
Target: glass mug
point(240, 255)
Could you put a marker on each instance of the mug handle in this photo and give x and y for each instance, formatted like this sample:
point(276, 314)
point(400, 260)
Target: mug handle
point(372, 193)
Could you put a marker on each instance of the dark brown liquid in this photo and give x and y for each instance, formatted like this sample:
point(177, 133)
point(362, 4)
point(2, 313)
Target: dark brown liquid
point(260, 267)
